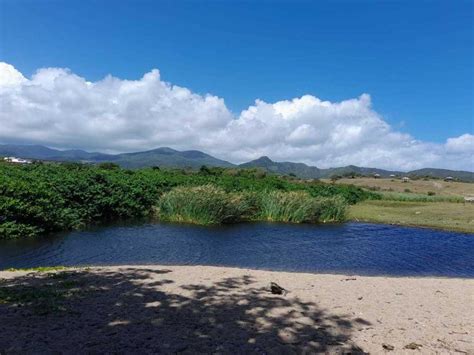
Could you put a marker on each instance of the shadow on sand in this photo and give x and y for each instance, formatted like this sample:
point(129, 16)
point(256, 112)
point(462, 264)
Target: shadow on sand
point(133, 311)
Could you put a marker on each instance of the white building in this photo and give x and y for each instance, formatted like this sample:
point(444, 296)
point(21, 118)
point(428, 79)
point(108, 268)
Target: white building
point(16, 160)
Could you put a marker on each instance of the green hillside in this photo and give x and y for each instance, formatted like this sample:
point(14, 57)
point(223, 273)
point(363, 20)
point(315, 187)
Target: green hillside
point(194, 159)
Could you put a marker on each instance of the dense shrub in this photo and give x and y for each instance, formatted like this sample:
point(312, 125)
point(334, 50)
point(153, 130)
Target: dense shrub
point(350, 193)
point(12, 230)
point(108, 166)
point(51, 198)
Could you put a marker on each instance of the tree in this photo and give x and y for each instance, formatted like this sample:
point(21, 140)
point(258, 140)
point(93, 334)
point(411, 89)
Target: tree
point(205, 170)
point(109, 166)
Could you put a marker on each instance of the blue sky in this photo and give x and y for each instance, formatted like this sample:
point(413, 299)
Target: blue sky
point(414, 59)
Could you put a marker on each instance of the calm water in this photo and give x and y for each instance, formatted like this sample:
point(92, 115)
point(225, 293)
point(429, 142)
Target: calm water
point(353, 248)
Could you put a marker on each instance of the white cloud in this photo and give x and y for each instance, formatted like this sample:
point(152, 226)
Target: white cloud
point(58, 108)
point(9, 75)
point(461, 144)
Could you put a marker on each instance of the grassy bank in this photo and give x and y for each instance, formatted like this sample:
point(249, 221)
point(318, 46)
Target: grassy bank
point(43, 198)
point(413, 197)
point(440, 215)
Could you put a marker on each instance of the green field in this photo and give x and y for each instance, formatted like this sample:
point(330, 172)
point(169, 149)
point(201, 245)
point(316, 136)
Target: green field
point(434, 187)
point(440, 215)
point(422, 202)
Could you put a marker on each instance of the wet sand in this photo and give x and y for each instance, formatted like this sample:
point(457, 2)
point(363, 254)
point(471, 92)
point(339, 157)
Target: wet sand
point(202, 309)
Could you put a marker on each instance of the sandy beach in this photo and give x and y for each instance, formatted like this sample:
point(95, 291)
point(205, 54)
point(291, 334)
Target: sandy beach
point(201, 309)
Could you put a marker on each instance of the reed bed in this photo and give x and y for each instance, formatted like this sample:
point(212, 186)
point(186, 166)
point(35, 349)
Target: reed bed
point(201, 205)
point(332, 209)
point(295, 207)
point(300, 207)
point(211, 205)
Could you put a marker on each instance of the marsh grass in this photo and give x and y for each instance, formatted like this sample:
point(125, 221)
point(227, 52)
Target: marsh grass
point(201, 205)
point(332, 209)
point(211, 205)
point(295, 207)
point(300, 207)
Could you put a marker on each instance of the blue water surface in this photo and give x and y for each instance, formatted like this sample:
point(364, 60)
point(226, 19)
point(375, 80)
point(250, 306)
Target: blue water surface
point(351, 248)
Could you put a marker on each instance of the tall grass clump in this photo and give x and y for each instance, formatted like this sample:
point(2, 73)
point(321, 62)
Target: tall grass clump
point(300, 207)
point(296, 207)
point(201, 205)
point(332, 209)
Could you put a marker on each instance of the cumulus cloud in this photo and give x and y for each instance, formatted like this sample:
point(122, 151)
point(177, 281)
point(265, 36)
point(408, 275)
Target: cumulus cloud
point(55, 107)
point(9, 76)
point(461, 144)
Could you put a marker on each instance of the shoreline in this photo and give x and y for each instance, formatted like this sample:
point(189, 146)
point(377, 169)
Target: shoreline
point(401, 224)
point(60, 268)
point(188, 309)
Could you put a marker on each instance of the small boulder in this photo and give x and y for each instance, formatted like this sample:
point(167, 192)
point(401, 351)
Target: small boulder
point(277, 289)
point(413, 346)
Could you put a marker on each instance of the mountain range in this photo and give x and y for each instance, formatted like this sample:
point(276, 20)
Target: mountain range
point(165, 157)
point(194, 159)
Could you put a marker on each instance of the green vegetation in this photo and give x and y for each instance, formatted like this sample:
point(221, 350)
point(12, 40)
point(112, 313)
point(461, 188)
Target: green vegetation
point(440, 215)
point(420, 186)
point(43, 198)
point(423, 202)
point(40, 198)
point(169, 158)
point(412, 197)
point(299, 206)
point(202, 205)
point(212, 205)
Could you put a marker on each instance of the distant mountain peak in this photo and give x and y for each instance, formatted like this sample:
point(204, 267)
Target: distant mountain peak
point(168, 157)
point(160, 150)
point(263, 159)
point(194, 154)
